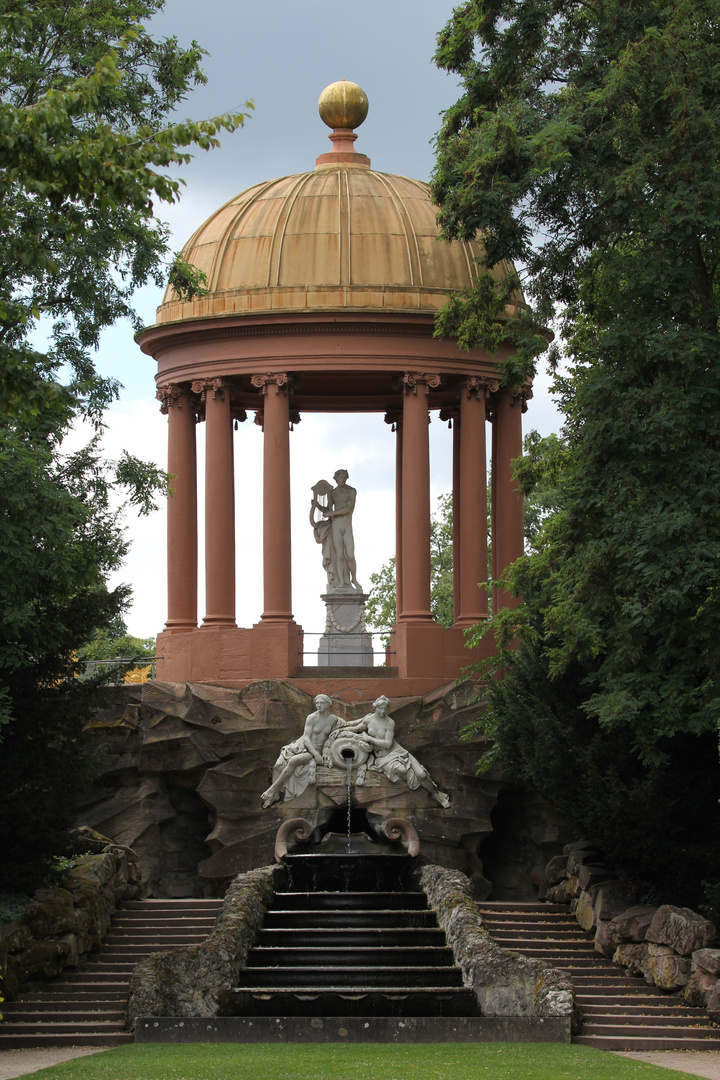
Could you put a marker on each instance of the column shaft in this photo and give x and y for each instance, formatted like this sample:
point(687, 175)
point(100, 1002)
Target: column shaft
point(473, 507)
point(277, 575)
point(509, 535)
point(457, 516)
point(219, 508)
point(416, 500)
point(181, 510)
point(398, 518)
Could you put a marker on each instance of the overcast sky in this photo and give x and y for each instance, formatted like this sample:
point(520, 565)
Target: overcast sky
point(281, 54)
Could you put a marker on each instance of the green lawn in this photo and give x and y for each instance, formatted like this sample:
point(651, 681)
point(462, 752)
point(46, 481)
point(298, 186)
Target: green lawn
point(302, 1061)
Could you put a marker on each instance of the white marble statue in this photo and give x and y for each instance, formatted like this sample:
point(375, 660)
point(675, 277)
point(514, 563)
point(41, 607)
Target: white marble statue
point(298, 760)
point(334, 532)
point(376, 732)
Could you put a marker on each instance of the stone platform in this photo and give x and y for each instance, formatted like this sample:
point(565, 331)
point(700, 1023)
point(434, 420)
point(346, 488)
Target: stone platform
point(355, 1029)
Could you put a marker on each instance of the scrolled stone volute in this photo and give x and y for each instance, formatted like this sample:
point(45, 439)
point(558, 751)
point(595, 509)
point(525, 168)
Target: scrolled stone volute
point(294, 829)
point(398, 828)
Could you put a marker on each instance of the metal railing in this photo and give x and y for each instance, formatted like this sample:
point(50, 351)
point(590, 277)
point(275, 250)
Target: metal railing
point(310, 657)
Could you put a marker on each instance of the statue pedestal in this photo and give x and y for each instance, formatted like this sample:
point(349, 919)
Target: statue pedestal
point(346, 642)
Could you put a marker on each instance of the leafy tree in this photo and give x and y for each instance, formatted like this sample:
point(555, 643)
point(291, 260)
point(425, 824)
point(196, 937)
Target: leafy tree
point(380, 607)
point(85, 149)
point(586, 147)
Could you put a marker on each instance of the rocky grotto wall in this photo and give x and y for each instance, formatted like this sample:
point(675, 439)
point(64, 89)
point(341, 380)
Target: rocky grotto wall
point(185, 765)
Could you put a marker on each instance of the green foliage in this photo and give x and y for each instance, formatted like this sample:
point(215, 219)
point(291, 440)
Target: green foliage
point(586, 146)
point(12, 905)
point(86, 153)
point(380, 607)
point(108, 644)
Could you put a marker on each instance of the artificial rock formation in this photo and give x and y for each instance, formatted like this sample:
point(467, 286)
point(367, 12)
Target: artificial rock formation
point(506, 983)
point(189, 981)
point(63, 923)
point(187, 763)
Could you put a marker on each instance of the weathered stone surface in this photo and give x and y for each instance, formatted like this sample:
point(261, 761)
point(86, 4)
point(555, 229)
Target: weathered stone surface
point(506, 983)
point(41, 960)
point(50, 913)
point(698, 989)
point(713, 1004)
point(707, 960)
point(589, 875)
point(187, 763)
point(612, 898)
point(634, 958)
point(62, 924)
point(15, 936)
point(578, 857)
point(633, 923)
point(556, 870)
point(572, 889)
point(668, 970)
point(607, 937)
point(585, 912)
point(189, 981)
point(682, 929)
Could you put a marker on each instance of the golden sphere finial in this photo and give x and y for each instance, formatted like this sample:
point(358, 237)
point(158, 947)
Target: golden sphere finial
point(343, 105)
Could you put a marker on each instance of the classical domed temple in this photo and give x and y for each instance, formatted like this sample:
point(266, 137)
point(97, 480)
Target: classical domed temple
point(322, 292)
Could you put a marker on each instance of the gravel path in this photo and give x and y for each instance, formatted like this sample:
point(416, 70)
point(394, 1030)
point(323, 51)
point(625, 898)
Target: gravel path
point(695, 1062)
point(25, 1062)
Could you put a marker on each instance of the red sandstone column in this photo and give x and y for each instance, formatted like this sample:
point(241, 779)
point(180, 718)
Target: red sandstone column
point(395, 418)
point(219, 505)
point(457, 515)
point(508, 537)
point(473, 503)
point(416, 497)
point(277, 576)
point(182, 508)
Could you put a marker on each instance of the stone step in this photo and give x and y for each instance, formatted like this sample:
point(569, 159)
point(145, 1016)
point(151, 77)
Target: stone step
point(97, 978)
point(356, 901)
point(618, 1008)
point(616, 1018)
point(352, 977)
point(40, 1015)
point(38, 1040)
point(339, 919)
point(195, 926)
point(351, 937)
point(526, 907)
point(61, 1027)
point(57, 999)
point(421, 956)
point(645, 1042)
point(148, 936)
point(326, 1001)
point(199, 904)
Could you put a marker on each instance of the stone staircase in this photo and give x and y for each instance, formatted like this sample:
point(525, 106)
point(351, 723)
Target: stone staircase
point(86, 1007)
point(373, 954)
point(621, 1012)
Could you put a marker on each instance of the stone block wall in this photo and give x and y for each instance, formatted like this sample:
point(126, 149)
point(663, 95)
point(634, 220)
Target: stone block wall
point(63, 923)
point(668, 946)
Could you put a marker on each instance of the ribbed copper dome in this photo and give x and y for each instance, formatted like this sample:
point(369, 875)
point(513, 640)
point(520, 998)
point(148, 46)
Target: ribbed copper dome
point(342, 237)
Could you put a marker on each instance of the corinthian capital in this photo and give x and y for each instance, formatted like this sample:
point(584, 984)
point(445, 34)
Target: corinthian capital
point(411, 380)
